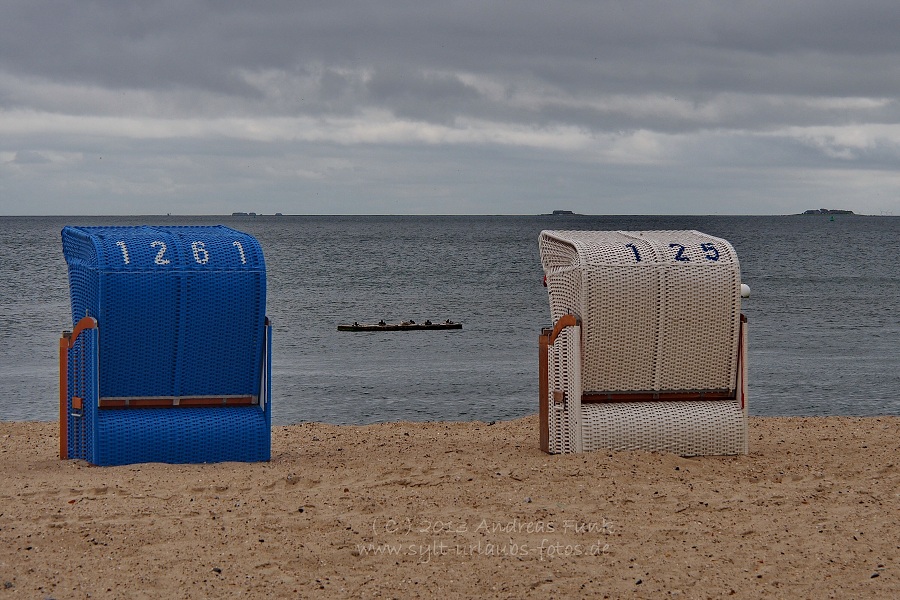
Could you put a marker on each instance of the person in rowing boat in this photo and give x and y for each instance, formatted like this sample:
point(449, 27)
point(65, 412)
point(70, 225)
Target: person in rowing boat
point(381, 323)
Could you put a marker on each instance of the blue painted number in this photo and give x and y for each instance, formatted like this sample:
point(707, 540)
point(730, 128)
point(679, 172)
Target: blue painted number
point(712, 253)
point(637, 255)
point(680, 254)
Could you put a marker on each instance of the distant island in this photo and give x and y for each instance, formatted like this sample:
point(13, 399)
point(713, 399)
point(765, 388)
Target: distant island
point(559, 213)
point(827, 211)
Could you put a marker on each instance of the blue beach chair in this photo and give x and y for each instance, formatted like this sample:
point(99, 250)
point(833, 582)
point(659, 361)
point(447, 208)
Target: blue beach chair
point(169, 358)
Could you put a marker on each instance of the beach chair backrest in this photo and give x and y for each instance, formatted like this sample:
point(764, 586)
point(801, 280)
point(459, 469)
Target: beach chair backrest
point(180, 310)
point(660, 310)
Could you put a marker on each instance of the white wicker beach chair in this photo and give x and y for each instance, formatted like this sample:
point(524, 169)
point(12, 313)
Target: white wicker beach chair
point(649, 348)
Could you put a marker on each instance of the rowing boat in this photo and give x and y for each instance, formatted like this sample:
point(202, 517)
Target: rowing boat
point(404, 326)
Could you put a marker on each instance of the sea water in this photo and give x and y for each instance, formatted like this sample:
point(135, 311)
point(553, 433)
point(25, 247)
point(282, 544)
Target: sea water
point(823, 314)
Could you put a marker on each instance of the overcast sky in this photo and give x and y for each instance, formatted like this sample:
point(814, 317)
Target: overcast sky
point(480, 107)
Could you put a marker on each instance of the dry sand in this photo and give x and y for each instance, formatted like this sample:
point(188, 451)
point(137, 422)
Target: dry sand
point(469, 510)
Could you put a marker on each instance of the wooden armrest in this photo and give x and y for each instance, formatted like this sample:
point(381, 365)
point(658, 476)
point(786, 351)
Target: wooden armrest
point(564, 321)
point(71, 336)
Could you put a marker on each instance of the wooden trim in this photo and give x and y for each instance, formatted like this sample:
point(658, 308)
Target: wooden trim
point(595, 398)
point(84, 323)
point(64, 396)
point(741, 365)
point(66, 343)
point(544, 389)
point(224, 401)
point(186, 402)
point(564, 321)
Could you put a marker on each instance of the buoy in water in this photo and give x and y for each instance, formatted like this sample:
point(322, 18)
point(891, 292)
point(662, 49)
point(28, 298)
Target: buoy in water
point(745, 290)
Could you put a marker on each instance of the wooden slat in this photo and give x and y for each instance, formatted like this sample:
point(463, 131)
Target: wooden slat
point(594, 397)
point(204, 402)
point(64, 396)
point(544, 389)
point(66, 343)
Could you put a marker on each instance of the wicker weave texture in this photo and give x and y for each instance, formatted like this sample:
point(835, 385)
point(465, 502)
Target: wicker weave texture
point(659, 313)
point(180, 308)
point(565, 376)
point(181, 313)
point(182, 435)
point(660, 309)
point(83, 383)
point(686, 428)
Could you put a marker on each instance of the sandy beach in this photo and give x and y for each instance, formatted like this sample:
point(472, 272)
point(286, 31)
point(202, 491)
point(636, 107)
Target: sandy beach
point(408, 510)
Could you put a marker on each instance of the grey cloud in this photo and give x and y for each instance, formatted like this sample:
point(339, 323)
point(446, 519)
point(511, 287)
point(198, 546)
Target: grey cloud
point(420, 95)
point(28, 157)
point(695, 84)
point(199, 43)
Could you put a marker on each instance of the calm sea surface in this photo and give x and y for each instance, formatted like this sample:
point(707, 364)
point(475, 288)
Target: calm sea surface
point(824, 319)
